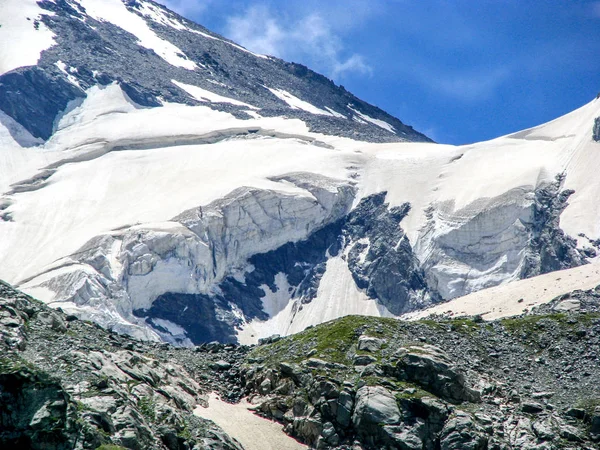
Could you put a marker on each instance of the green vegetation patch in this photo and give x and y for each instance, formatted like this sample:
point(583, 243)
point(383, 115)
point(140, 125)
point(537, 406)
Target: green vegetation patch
point(535, 324)
point(330, 341)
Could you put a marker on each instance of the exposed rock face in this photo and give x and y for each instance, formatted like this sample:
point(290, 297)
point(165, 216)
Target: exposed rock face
point(461, 432)
point(34, 98)
point(36, 411)
point(381, 258)
point(525, 382)
point(66, 384)
point(431, 368)
point(535, 390)
point(374, 406)
point(596, 129)
point(550, 248)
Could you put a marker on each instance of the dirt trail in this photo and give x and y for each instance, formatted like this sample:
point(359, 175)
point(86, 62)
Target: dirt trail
point(250, 430)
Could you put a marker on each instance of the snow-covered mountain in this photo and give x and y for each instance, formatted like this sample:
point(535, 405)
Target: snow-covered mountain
point(166, 182)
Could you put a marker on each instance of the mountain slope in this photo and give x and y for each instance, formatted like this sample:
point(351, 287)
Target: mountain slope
point(366, 383)
point(165, 182)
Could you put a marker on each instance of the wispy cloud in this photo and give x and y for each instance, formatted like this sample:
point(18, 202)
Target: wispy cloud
point(187, 8)
point(471, 85)
point(309, 38)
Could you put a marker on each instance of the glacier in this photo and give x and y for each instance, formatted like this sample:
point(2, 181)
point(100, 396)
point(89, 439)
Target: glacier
point(187, 203)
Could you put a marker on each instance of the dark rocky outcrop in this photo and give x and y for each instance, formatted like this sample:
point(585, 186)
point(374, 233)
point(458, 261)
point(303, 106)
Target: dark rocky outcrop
point(550, 248)
point(381, 258)
point(596, 129)
point(432, 369)
point(36, 412)
point(34, 97)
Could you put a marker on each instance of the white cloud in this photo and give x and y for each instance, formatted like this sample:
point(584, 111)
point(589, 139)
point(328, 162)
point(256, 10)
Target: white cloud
point(355, 64)
point(186, 8)
point(473, 84)
point(469, 85)
point(309, 39)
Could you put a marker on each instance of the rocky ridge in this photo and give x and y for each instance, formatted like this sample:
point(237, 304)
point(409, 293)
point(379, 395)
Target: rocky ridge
point(526, 382)
point(520, 383)
point(91, 51)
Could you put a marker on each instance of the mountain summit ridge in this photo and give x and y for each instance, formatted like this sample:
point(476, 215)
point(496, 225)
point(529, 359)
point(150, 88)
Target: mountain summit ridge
point(158, 57)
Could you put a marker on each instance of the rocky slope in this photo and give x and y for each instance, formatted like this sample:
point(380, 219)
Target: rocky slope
point(521, 383)
point(527, 382)
point(68, 384)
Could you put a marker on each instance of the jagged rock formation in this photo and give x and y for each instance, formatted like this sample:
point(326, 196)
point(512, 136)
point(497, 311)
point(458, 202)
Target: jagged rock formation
point(596, 130)
point(381, 257)
point(66, 384)
point(550, 248)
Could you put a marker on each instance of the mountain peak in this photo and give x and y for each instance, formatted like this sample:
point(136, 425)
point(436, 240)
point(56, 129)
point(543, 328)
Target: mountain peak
point(158, 57)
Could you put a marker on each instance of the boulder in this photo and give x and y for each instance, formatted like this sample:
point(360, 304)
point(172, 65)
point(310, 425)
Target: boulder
point(431, 368)
point(595, 424)
point(544, 429)
point(404, 437)
point(363, 360)
point(53, 320)
point(532, 407)
point(375, 405)
point(344, 409)
point(461, 433)
point(34, 412)
point(369, 343)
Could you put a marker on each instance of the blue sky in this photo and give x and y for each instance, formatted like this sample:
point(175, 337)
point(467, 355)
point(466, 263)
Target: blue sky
point(460, 71)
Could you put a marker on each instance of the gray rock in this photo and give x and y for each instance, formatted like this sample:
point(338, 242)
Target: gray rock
point(344, 410)
point(53, 320)
point(570, 433)
point(369, 343)
point(550, 249)
point(381, 258)
point(431, 368)
point(375, 405)
point(404, 437)
point(461, 433)
point(544, 429)
point(532, 407)
point(329, 434)
point(595, 424)
point(571, 304)
point(363, 360)
point(221, 365)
